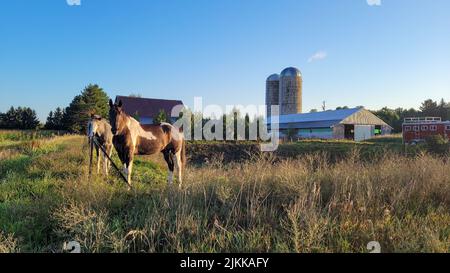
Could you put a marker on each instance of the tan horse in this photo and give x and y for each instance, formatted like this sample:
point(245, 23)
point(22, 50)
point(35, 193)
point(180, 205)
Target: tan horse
point(100, 128)
point(130, 138)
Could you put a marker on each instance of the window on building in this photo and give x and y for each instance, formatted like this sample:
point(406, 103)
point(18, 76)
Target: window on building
point(416, 128)
point(407, 128)
point(424, 128)
point(447, 127)
point(433, 127)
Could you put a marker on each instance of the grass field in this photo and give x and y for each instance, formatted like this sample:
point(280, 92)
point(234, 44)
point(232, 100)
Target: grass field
point(273, 203)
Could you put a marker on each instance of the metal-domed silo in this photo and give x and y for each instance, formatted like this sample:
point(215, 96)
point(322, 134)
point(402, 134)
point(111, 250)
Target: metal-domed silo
point(272, 92)
point(290, 94)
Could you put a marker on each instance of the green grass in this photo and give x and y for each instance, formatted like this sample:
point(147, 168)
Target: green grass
point(301, 203)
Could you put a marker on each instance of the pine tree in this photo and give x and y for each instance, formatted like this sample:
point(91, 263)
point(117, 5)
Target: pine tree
point(55, 120)
point(91, 100)
point(160, 117)
point(429, 108)
point(49, 124)
point(28, 119)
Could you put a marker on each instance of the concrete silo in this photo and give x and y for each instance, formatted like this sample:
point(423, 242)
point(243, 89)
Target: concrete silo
point(290, 94)
point(272, 92)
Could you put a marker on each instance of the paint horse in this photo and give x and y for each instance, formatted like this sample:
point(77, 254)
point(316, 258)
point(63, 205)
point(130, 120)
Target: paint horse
point(130, 138)
point(101, 130)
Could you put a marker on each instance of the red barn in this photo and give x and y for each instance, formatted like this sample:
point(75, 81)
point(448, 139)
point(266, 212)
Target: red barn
point(416, 130)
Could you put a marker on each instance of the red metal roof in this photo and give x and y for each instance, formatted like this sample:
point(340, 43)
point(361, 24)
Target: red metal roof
point(145, 107)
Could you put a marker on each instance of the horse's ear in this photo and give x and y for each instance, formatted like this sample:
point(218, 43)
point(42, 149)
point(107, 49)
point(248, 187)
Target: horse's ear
point(120, 103)
point(111, 103)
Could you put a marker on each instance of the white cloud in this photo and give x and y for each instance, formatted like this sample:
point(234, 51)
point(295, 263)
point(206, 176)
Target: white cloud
point(320, 55)
point(73, 2)
point(374, 2)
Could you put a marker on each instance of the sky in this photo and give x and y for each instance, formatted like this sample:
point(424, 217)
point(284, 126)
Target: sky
point(375, 53)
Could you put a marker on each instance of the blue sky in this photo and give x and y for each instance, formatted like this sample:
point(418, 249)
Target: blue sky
point(396, 54)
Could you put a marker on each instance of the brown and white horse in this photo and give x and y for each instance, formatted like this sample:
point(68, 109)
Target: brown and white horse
point(130, 138)
point(100, 128)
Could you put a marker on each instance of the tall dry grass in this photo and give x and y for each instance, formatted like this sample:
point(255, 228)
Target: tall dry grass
point(262, 205)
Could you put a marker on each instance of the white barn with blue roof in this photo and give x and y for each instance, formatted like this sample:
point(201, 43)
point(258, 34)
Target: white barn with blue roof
point(355, 124)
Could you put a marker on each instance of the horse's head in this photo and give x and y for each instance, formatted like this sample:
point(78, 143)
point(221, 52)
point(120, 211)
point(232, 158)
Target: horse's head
point(117, 117)
point(93, 124)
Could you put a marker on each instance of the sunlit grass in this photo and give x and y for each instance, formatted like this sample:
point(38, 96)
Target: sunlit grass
point(265, 204)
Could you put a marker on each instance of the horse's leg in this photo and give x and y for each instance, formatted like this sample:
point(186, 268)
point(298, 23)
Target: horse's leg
point(98, 158)
point(107, 163)
point(178, 165)
point(170, 165)
point(128, 164)
point(130, 168)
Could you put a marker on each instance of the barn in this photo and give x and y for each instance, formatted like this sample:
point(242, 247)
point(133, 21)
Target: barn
point(145, 109)
point(354, 124)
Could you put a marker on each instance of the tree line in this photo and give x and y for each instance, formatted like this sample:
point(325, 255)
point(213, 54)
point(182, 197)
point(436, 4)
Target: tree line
point(428, 108)
point(94, 100)
point(395, 117)
point(19, 118)
point(73, 118)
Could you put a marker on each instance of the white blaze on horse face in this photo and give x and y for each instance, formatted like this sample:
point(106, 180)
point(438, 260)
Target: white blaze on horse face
point(91, 128)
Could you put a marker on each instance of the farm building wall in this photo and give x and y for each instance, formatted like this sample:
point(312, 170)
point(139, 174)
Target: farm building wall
point(324, 133)
point(321, 133)
point(363, 132)
point(386, 130)
point(145, 120)
point(356, 124)
point(339, 131)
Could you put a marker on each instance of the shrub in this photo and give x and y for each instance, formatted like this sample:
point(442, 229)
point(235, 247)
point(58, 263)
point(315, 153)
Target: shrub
point(438, 144)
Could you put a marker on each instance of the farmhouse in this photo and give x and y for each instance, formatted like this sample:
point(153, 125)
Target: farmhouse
point(355, 124)
point(145, 110)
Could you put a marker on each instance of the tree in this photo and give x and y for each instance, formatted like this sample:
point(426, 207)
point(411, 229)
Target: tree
point(2, 120)
point(389, 116)
point(19, 118)
point(429, 108)
point(341, 107)
point(55, 120)
point(92, 100)
point(444, 110)
point(160, 117)
point(313, 111)
point(10, 119)
point(28, 119)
